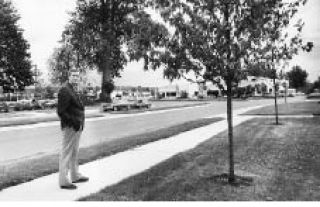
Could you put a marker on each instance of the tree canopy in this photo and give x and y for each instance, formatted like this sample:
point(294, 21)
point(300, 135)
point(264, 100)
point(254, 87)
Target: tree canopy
point(212, 36)
point(15, 64)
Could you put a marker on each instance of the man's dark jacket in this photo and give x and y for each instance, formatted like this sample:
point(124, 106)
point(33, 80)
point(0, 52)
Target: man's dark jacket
point(70, 108)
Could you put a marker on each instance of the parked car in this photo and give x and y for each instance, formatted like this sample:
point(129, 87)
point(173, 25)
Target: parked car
point(118, 103)
point(141, 102)
point(4, 107)
point(126, 103)
point(50, 103)
point(17, 106)
point(36, 105)
point(313, 96)
point(11, 105)
point(24, 104)
point(41, 102)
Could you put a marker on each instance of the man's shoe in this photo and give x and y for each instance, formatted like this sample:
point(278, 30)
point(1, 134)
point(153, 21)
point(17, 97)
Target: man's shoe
point(68, 187)
point(81, 179)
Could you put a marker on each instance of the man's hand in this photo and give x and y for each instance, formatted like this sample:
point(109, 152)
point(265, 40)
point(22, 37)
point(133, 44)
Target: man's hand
point(76, 125)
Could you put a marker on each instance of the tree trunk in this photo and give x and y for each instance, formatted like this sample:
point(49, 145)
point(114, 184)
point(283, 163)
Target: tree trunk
point(230, 131)
point(106, 68)
point(275, 101)
point(105, 95)
point(275, 87)
point(231, 178)
point(106, 65)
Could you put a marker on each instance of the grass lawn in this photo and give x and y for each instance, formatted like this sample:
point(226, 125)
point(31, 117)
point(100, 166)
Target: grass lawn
point(302, 108)
point(283, 161)
point(27, 170)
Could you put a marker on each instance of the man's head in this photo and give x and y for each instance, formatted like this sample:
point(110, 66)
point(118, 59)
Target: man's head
point(74, 78)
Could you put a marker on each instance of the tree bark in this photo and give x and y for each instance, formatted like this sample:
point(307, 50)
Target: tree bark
point(231, 178)
point(106, 65)
point(106, 69)
point(230, 131)
point(275, 101)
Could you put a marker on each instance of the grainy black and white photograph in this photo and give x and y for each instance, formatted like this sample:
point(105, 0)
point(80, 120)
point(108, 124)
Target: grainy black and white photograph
point(159, 100)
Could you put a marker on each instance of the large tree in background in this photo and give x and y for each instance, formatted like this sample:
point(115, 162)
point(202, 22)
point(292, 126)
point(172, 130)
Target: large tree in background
point(15, 65)
point(106, 34)
point(297, 77)
point(219, 39)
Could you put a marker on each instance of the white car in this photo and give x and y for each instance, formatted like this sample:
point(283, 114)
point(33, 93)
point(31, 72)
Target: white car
point(126, 103)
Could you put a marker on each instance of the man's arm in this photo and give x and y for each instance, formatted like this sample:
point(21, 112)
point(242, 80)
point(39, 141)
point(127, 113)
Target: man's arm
point(63, 103)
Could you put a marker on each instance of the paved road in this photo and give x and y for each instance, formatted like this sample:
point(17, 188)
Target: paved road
point(29, 141)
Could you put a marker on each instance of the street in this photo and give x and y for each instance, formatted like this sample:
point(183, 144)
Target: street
point(31, 141)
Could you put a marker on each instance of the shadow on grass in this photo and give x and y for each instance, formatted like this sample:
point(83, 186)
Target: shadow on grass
point(223, 179)
point(275, 124)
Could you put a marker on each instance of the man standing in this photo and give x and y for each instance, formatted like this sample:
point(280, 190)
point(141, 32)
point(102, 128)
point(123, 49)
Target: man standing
point(71, 113)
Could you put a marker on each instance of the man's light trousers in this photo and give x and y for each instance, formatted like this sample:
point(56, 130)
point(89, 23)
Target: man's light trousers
point(69, 156)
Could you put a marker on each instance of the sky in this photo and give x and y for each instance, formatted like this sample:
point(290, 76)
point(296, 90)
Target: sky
point(311, 32)
point(44, 20)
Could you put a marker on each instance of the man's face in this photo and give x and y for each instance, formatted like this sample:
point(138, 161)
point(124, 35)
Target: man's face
point(74, 78)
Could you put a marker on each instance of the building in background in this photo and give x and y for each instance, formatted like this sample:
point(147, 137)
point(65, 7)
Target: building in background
point(169, 91)
point(264, 86)
point(135, 91)
point(258, 86)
